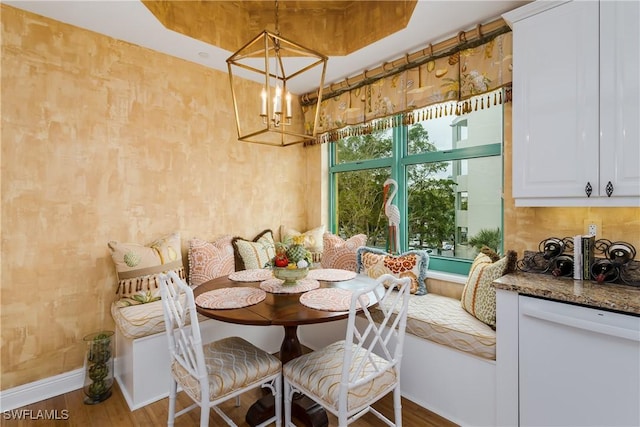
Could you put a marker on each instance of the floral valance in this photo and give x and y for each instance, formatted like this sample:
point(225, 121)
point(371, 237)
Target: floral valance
point(452, 84)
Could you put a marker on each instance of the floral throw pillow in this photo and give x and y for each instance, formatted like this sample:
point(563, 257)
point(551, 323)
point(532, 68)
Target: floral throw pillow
point(413, 264)
point(208, 260)
point(138, 266)
point(339, 253)
point(256, 253)
point(479, 295)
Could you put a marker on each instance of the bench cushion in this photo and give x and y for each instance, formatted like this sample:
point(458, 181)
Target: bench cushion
point(138, 321)
point(442, 320)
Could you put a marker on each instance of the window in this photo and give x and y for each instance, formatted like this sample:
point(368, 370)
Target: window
point(449, 174)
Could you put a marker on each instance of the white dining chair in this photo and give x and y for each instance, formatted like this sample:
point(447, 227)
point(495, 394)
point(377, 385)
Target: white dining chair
point(348, 376)
point(212, 373)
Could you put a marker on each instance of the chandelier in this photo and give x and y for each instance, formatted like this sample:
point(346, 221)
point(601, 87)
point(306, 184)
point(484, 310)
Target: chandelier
point(272, 117)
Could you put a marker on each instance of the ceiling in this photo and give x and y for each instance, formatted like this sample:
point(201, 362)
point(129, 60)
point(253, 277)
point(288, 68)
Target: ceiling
point(356, 35)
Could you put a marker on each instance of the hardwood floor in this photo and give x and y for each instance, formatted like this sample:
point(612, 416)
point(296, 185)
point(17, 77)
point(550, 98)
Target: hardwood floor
point(71, 411)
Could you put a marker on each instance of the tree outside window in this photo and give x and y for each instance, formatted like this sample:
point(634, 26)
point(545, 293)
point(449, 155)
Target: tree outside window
point(449, 173)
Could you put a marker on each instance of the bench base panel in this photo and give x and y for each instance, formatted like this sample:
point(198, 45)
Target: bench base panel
point(455, 385)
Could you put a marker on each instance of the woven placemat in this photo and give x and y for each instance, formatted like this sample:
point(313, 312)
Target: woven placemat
point(275, 286)
point(252, 275)
point(331, 274)
point(227, 298)
point(329, 299)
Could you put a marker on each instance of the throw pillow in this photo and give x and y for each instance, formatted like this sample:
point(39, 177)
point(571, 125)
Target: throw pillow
point(138, 266)
point(208, 260)
point(479, 295)
point(339, 253)
point(256, 253)
point(413, 264)
point(313, 240)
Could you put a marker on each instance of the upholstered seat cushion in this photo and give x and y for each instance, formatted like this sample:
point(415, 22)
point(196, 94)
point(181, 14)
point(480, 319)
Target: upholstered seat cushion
point(232, 364)
point(318, 373)
point(442, 320)
point(140, 320)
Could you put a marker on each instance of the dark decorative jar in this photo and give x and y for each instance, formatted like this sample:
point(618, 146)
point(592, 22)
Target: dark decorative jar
point(98, 367)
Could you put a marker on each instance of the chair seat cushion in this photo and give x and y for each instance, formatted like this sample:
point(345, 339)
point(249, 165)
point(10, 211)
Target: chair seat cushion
point(442, 320)
point(233, 363)
point(318, 374)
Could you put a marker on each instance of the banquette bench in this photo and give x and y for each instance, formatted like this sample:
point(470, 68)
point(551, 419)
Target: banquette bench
point(142, 356)
point(449, 361)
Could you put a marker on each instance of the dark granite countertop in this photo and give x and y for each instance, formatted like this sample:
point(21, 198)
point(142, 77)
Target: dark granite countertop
point(622, 298)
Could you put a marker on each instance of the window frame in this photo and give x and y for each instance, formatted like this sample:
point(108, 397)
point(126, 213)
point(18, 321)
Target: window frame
point(398, 163)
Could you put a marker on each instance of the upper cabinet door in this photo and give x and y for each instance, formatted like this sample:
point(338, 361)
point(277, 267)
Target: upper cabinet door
point(620, 98)
point(555, 101)
point(576, 103)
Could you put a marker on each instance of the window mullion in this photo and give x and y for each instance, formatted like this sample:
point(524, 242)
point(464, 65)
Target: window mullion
point(331, 155)
point(398, 172)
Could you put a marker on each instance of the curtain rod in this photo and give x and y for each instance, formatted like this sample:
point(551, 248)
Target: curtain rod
point(481, 34)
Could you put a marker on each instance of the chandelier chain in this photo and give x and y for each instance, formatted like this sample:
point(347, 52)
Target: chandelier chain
point(277, 25)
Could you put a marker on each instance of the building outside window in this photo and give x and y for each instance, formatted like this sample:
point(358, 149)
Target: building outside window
point(449, 172)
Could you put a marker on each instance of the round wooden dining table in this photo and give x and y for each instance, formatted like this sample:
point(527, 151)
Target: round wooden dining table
point(286, 310)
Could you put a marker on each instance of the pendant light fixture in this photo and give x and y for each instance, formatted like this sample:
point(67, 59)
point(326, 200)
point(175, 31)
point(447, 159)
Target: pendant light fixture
point(272, 117)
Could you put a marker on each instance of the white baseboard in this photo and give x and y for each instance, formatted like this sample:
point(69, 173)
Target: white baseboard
point(45, 388)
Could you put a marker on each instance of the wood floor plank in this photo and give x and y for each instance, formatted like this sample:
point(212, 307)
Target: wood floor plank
point(114, 412)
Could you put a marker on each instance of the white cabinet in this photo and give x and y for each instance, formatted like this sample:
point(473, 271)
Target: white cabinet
point(578, 366)
point(576, 103)
point(561, 364)
point(619, 97)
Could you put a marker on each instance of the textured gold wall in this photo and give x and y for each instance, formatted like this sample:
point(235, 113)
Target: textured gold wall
point(103, 140)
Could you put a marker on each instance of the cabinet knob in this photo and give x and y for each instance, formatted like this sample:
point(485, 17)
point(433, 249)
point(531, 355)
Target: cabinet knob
point(609, 189)
point(588, 189)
